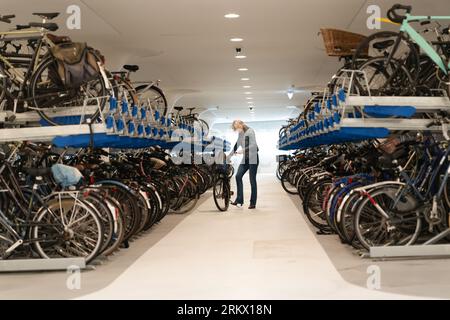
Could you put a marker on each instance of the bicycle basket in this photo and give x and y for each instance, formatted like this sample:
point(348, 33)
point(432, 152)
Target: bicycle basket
point(77, 63)
point(340, 43)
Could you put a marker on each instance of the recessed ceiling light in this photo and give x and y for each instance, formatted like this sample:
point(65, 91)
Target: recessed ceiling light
point(236, 39)
point(245, 79)
point(243, 69)
point(249, 98)
point(291, 107)
point(231, 16)
point(240, 56)
point(290, 92)
point(246, 87)
point(248, 92)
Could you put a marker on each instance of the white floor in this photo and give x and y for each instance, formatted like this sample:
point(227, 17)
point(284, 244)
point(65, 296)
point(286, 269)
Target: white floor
point(267, 253)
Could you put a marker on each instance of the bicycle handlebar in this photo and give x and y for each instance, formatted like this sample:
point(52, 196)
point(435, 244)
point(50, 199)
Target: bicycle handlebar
point(394, 16)
point(7, 18)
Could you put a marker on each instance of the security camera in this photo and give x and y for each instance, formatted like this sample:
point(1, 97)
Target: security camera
point(251, 108)
point(238, 50)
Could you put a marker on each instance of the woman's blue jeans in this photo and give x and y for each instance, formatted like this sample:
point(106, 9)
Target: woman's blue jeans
point(243, 168)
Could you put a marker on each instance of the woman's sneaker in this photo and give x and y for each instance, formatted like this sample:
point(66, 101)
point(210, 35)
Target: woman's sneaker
point(236, 204)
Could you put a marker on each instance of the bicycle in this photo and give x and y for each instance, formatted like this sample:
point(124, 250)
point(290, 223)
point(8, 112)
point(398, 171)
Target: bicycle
point(191, 120)
point(136, 93)
point(396, 65)
point(222, 186)
point(61, 225)
point(33, 81)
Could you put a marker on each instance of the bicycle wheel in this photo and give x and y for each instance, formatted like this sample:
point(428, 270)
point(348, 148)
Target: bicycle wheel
point(304, 181)
point(189, 198)
point(314, 201)
point(381, 44)
point(286, 179)
point(97, 203)
point(143, 206)
point(384, 79)
point(346, 218)
point(222, 194)
point(129, 206)
point(161, 191)
point(401, 228)
point(156, 97)
point(67, 228)
point(6, 241)
point(48, 94)
point(3, 84)
point(205, 126)
point(119, 225)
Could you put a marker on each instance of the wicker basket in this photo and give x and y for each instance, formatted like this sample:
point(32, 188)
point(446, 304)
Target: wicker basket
point(340, 43)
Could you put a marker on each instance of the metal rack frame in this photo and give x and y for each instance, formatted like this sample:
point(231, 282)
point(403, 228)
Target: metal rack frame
point(346, 102)
point(118, 118)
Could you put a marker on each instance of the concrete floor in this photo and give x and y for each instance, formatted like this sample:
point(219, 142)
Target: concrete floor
point(425, 277)
point(267, 253)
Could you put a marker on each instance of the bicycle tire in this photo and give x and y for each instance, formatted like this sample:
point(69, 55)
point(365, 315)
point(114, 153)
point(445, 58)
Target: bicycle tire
point(285, 182)
point(33, 87)
point(222, 191)
point(48, 252)
point(163, 109)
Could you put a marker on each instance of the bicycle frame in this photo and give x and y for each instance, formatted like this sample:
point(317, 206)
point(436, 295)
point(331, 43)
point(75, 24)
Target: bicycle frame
point(32, 34)
point(422, 42)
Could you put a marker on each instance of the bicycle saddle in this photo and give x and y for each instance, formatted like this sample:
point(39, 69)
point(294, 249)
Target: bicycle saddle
point(58, 39)
point(383, 44)
point(178, 108)
point(38, 172)
point(131, 67)
point(48, 26)
point(46, 15)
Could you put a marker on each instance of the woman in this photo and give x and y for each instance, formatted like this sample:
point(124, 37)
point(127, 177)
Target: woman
point(250, 161)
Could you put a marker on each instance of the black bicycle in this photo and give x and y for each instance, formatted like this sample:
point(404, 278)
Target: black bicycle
point(222, 186)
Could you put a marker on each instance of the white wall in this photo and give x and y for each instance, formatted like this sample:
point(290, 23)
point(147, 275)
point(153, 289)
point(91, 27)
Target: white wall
point(266, 137)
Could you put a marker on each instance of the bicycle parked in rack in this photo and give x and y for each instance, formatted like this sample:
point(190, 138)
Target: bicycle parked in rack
point(407, 62)
point(140, 92)
point(191, 120)
point(89, 202)
point(40, 71)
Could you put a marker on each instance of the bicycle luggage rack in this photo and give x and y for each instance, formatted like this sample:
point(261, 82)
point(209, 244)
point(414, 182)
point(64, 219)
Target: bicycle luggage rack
point(345, 117)
point(121, 126)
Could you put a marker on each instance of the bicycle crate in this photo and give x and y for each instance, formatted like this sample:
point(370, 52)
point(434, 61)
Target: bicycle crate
point(340, 43)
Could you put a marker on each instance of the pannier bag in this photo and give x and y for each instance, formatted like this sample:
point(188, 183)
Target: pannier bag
point(77, 63)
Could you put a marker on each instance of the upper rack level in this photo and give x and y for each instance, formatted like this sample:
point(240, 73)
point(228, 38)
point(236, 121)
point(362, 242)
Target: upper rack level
point(345, 116)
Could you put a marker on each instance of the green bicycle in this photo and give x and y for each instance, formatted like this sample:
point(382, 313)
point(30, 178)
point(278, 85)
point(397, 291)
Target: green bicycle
point(405, 62)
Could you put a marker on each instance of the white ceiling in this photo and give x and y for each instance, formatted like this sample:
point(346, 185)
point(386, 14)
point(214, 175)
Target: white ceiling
point(185, 44)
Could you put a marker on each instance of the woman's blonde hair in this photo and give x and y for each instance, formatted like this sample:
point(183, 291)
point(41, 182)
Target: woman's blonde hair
point(240, 123)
